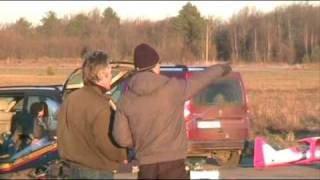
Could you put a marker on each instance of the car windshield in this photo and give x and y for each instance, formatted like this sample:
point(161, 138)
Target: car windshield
point(76, 79)
point(226, 91)
point(118, 90)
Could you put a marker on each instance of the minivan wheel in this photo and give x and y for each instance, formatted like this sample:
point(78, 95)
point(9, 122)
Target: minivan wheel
point(227, 158)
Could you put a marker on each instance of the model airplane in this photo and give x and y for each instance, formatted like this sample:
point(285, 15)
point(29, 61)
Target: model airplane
point(306, 153)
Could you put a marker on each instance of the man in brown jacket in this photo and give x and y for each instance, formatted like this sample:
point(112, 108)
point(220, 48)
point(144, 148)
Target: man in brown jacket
point(150, 119)
point(83, 128)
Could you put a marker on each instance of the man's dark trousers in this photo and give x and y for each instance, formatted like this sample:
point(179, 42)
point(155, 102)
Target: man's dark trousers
point(163, 170)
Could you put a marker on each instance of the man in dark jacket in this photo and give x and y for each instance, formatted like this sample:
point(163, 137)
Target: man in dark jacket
point(150, 115)
point(84, 118)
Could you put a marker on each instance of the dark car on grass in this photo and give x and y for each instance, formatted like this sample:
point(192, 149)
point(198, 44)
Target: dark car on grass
point(41, 158)
point(15, 113)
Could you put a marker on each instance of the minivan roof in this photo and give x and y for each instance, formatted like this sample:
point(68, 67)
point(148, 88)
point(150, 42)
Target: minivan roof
point(182, 68)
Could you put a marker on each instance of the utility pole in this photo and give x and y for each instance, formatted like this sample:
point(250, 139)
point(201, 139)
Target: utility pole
point(207, 42)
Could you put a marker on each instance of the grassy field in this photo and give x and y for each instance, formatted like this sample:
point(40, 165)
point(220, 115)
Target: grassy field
point(36, 72)
point(283, 100)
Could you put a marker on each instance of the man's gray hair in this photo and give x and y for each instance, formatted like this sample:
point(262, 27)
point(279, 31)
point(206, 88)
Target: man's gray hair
point(93, 63)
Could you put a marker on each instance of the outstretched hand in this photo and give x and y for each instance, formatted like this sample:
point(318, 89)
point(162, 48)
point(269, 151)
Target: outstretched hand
point(226, 68)
point(35, 141)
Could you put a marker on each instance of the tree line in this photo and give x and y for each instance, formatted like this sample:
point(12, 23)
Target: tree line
point(288, 34)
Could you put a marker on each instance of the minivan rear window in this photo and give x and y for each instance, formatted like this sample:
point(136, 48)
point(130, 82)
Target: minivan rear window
point(225, 91)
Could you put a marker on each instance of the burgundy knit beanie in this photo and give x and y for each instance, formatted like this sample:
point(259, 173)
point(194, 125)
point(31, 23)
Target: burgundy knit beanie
point(145, 57)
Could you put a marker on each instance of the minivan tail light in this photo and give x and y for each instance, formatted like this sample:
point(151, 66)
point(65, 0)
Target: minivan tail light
point(247, 99)
point(187, 110)
point(188, 75)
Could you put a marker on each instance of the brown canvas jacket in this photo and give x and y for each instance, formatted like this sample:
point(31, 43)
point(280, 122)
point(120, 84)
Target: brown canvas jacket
point(83, 130)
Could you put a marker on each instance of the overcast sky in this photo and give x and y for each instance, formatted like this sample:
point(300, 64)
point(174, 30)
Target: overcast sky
point(33, 11)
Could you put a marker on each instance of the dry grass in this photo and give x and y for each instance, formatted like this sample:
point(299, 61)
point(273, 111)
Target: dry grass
point(36, 72)
point(282, 99)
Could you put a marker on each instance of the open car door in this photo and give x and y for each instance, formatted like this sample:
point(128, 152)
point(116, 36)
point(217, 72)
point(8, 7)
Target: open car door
point(120, 70)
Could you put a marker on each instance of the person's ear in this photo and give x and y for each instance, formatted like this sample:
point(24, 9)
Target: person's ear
point(100, 75)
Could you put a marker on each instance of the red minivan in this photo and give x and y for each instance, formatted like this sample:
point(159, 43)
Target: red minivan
point(216, 118)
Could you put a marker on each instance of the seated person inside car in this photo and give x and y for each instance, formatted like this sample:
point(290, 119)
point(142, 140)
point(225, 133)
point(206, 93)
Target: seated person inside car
point(31, 127)
point(39, 112)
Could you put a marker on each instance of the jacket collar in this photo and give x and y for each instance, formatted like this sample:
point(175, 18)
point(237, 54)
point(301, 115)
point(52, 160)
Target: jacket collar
point(97, 89)
point(146, 83)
